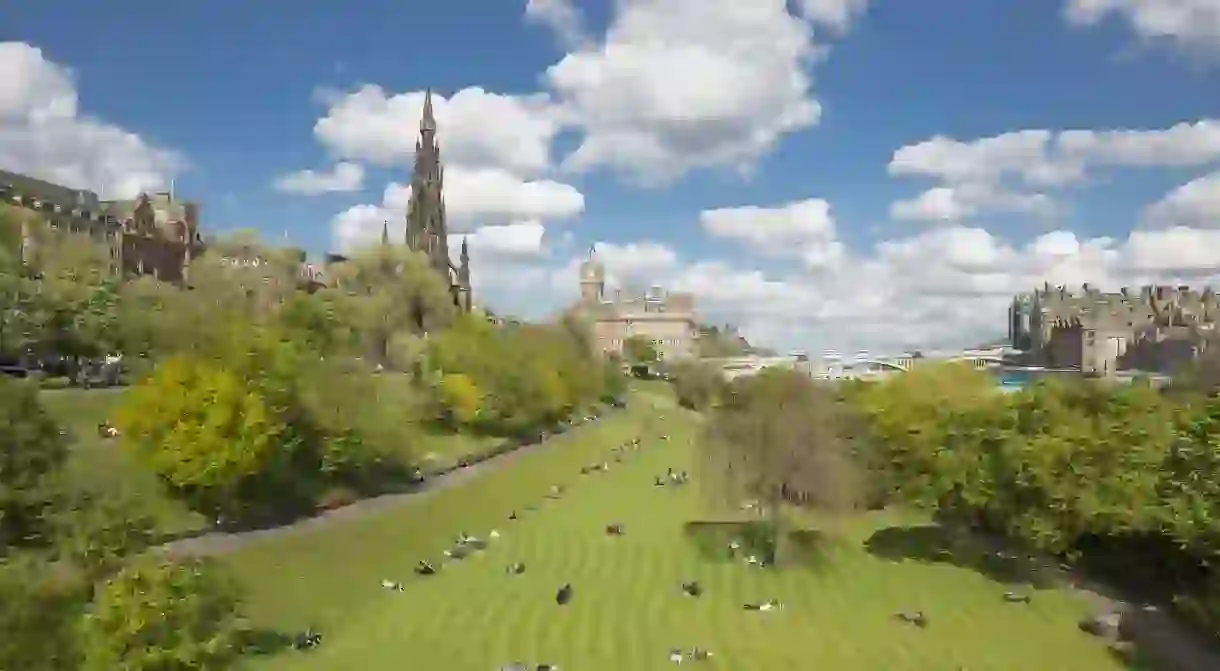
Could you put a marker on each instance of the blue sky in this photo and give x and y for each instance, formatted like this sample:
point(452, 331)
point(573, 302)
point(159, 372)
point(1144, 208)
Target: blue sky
point(641, 124)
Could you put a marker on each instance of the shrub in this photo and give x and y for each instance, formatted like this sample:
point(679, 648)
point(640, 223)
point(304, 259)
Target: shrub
point(32, 451)
point(158, 615)
point(97, 533)
point(208, 433)
point(459, 398)
point(38, 614)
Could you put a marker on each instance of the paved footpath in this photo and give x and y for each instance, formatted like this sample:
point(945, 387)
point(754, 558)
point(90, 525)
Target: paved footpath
point(223, 542)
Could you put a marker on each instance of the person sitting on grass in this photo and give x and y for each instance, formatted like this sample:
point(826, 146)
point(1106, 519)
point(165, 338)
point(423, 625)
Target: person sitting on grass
point(307, 639)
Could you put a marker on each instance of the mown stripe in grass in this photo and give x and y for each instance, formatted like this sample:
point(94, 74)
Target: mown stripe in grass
point(628, 610)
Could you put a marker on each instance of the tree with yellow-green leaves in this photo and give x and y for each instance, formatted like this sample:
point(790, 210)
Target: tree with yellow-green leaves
point(210, 434)
point(779, 439)
point(163, 615)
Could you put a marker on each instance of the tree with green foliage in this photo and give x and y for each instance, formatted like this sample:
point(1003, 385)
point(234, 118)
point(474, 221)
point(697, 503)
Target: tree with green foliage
point(640, 351)
point(321, 322)
point(530, 376)
point(392, 290)
point(163, 615)
point(96, 533)
point(614, 381)
point(40, 606)
point(20, 311)
point(33, 454)
point(61, 300)
point(697, 385)
point(77, 297)
point(715, 342)
point(778, 438)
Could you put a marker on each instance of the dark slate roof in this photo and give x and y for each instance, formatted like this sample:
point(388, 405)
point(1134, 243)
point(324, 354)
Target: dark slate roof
point(62, 196)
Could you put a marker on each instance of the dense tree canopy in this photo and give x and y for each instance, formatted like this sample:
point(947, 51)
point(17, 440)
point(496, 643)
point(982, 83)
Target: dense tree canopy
point(1086, 470)
point(31, 454)
point(391, 290)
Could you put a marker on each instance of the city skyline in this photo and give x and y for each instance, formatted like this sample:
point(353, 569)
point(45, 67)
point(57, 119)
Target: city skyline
point(823, 173)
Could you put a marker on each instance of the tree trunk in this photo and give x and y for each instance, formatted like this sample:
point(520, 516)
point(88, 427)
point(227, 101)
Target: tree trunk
point(779, 535)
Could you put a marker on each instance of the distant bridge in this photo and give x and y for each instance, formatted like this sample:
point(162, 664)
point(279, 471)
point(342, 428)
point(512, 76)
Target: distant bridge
point(749, 365)
point(864, 365)
point(880, 366)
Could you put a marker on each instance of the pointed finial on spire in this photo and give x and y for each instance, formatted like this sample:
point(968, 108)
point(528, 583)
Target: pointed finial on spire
point(385, 232)
point(465, 249)
point(427, 123)
point(593, 250)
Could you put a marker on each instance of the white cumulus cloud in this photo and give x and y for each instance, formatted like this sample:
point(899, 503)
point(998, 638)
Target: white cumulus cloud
point(476, 128)
point(345, 176)
point(43, 133)
point(679, 85)
point(1023, 171)
point(1193, 25)
point(804, 229)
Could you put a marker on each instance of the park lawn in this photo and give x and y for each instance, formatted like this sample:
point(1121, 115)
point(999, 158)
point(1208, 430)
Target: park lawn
point(628, 610)
point(100, 466)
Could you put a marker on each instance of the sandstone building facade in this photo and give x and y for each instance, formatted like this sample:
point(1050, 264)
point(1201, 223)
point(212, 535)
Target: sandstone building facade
point(151, 235)
point(1157, 329)
point(666, 318)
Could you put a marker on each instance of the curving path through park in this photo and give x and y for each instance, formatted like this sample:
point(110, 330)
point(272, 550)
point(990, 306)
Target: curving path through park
point(216, 543)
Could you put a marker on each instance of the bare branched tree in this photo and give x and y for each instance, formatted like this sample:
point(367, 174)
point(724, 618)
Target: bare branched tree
point(779, 439)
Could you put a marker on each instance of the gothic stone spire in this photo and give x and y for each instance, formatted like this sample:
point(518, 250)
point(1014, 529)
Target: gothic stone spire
point(427, 228)
point(427, 123)
point(464, 265)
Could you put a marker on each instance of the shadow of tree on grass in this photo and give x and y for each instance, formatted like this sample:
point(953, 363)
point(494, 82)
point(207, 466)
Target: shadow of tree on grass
point(260, 641)
point(806, 547)
point(935, 544)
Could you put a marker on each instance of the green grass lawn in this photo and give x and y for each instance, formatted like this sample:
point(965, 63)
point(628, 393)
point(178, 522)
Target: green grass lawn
point(628, 609)
point(98, 465)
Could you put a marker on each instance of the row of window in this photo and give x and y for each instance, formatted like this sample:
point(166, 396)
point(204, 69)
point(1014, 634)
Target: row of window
point(660, 342)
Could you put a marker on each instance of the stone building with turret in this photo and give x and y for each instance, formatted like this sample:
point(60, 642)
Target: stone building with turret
point(666, 318)
point(427, 225)
point(1157, 329)
point(151, 235)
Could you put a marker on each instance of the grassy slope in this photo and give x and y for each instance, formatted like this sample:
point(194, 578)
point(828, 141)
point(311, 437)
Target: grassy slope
point(628, 611)
point(99, 465)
